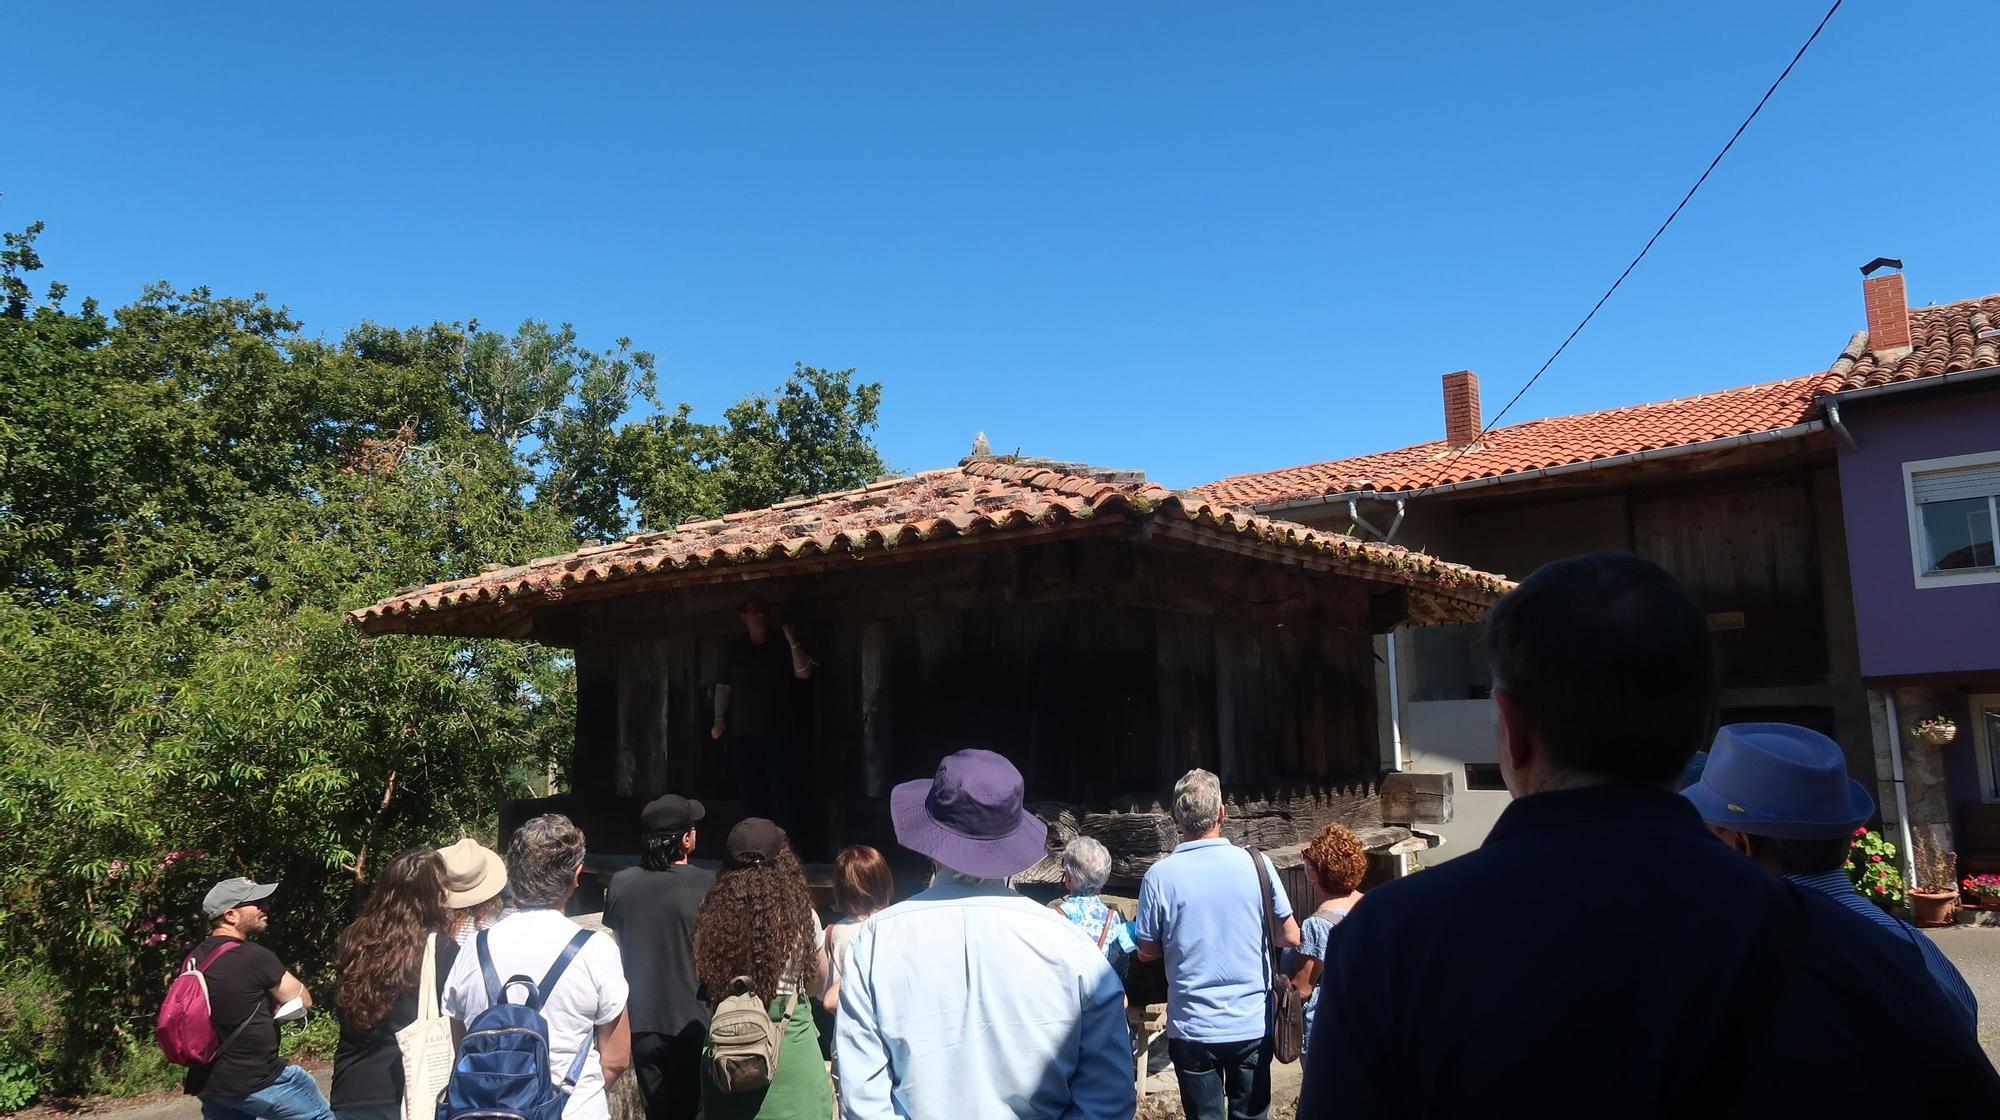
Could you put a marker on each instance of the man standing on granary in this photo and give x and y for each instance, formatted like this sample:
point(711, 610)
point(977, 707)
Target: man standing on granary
point(753, 701)
point(1603, 952)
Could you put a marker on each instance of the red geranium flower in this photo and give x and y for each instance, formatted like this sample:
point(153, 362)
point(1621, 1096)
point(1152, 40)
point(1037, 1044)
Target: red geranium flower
point(1877, 859)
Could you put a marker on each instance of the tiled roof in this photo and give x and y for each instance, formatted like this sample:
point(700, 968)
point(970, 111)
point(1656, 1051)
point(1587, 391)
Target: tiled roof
point(1945, 339)
point(935, 508)
point(1534, 445)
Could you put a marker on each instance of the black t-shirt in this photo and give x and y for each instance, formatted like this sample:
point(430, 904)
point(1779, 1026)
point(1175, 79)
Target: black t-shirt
point(367, 1066)
point(652, 912)
point(760, 681)
point(239, 988)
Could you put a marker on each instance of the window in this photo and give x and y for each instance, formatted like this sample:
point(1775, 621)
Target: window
point(1954, 511)
point(1985, 732)
point(1484, 775)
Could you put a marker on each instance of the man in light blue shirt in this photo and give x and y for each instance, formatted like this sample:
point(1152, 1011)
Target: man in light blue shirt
point(1202, 908)
point(966, 999)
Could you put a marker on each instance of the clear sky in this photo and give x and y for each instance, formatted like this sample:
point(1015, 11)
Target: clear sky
point(1194, 238)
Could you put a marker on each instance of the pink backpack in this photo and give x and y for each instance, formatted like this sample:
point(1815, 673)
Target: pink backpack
point(186, 1027)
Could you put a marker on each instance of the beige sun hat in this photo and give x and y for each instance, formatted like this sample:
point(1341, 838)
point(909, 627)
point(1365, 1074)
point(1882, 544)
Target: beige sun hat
point(473, 873)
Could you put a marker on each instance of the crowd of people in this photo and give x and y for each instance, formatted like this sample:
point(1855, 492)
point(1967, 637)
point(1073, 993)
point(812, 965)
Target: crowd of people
point(1619, 942)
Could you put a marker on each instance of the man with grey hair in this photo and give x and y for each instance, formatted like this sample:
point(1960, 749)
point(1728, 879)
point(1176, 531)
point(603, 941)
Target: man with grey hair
point(585, 1005)
point(967, 1000)
point(1203, 909)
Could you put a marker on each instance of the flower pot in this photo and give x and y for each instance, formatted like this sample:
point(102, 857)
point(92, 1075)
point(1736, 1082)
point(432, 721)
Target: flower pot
point(1938, 736)
point(1988, 901)
point(1932, 908)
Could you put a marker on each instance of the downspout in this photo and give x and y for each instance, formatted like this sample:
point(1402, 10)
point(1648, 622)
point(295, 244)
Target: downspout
point(1840, 431)
point(1354, 516)
point(1395, 691)
point(1902, 794)
point(1395, 523)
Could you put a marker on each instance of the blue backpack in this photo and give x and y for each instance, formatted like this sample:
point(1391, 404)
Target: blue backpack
point(502, 1067)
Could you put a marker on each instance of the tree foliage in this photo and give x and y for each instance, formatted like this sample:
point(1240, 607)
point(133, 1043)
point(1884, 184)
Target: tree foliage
point(192, 493)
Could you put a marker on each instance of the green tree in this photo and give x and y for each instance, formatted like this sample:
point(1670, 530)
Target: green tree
point(192, 493)
point(813, 436)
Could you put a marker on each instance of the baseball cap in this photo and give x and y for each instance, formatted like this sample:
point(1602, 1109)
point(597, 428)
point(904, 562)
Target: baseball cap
point(754, 842)
point(231, 893)
point(671, 813)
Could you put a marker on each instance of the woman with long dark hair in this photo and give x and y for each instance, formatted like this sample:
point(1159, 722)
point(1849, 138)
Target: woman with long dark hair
point(379, 960)
point(758, 921)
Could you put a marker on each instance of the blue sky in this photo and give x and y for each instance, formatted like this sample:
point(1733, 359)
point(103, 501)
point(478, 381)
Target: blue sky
point(1194, 238)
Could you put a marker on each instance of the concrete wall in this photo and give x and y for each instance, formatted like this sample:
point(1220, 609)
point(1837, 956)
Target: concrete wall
point(1441, 736)
point(1905, 629)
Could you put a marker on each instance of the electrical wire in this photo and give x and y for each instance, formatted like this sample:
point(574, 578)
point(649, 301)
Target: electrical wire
point(1483, 432)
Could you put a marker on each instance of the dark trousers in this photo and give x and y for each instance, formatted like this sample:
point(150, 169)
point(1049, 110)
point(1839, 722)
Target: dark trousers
point(668, 1067)
point(1223, 1080)
point(763, 766)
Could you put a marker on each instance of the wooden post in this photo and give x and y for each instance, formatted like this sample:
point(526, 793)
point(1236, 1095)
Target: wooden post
point(876, 713)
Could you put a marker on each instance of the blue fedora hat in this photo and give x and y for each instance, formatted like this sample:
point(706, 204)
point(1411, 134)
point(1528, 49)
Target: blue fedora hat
point(1779, 780)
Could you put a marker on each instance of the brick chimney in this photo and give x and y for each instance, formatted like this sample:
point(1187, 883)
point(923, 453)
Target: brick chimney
point(1887, 305)
point(1461, 407)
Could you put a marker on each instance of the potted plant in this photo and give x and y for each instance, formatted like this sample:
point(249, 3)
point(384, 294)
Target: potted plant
point(1982, 890)
point(1937, 730)
point(1935, 897)
point(1871, 866)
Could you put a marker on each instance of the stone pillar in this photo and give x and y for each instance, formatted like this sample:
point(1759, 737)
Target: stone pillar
point(1923, 771)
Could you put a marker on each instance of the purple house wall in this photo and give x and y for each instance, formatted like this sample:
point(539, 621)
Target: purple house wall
point(1905, 630)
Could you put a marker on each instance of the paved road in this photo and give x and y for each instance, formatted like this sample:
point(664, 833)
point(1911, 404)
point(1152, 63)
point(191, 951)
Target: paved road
point(1976, 952)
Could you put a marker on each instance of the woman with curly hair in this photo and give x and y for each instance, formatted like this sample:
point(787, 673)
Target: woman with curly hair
point(1337, 863)
point(379, 959)
point(758, 922)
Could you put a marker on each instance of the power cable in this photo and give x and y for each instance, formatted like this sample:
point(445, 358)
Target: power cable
point(1483, 432)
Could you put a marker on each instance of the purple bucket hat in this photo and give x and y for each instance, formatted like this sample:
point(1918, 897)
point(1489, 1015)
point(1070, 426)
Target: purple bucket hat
point(970, 817)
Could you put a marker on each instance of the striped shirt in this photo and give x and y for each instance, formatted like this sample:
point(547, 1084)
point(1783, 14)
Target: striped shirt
point(1837, 885)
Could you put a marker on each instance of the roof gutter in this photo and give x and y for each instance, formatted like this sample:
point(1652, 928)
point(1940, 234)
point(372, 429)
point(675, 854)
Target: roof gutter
point(1915, 384)
point(1832, 401)
point(1796, 431)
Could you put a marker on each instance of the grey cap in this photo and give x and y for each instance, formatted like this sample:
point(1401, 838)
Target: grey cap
point(231, 893)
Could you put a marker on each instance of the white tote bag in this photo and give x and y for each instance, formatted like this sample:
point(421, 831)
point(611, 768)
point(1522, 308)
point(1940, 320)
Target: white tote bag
point(426, 1045)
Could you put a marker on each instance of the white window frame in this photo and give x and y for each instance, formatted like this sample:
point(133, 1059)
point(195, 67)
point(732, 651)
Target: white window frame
point(1917, 563)
point(1982, 746)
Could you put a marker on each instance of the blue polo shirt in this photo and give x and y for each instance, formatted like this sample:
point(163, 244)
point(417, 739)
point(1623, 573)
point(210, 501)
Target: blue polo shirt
point(1200, 905)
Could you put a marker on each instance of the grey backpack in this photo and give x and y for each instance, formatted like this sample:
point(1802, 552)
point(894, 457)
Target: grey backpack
point(743, 1040)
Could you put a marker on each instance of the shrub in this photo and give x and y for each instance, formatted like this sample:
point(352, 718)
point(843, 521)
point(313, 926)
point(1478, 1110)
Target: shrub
point(1871, 866)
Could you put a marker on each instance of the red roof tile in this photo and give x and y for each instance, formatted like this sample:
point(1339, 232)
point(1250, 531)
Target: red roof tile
point(973, 500)
point(1534, 445)
point(1945, 339)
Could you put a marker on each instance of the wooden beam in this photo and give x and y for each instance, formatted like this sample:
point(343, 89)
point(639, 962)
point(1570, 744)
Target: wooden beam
point(1411, 798)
